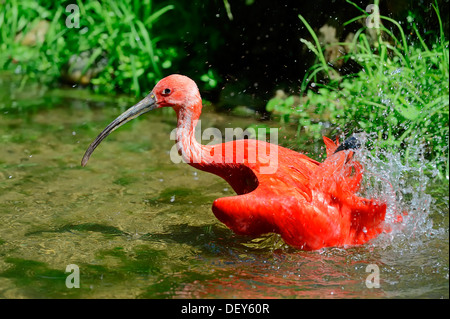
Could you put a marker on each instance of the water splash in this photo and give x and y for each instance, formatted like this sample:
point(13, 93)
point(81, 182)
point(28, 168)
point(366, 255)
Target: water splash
point(401, 183)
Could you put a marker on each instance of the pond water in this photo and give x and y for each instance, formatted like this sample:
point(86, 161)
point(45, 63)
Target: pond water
point(139, 226)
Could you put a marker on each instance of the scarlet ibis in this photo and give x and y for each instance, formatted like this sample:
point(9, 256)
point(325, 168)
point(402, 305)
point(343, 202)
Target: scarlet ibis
point(310, 204)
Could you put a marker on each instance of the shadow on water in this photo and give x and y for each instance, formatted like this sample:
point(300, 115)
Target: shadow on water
point(209, 239)
point(89, 227)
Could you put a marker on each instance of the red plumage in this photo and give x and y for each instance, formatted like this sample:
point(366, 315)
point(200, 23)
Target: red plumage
point(310, 204)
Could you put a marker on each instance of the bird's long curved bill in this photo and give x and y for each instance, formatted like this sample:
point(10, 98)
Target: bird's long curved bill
point(147, 104)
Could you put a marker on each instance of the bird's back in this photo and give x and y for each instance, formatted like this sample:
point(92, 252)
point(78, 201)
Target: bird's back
point(245, 163)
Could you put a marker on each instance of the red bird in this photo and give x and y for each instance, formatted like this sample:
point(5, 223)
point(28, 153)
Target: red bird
point(310, 204)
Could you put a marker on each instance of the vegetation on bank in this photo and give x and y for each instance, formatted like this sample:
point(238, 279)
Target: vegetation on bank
point(401, 91)
point(113, 46)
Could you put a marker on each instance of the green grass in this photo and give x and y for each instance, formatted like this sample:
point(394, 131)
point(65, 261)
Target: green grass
point(114, 42)
point(118, 46)
point(401, 92)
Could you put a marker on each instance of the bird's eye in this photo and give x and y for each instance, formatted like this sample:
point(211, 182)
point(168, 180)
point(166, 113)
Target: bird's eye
point(166, 91)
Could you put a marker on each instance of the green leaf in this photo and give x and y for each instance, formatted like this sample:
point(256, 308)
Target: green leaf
point(273, 104)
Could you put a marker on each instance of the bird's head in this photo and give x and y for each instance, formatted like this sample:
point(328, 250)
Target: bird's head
point(176, 91)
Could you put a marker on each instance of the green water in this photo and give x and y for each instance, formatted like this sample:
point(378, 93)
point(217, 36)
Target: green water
point(139, 226)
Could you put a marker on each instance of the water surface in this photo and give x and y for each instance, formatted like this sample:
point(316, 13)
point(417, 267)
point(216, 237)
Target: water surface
point(139, 226)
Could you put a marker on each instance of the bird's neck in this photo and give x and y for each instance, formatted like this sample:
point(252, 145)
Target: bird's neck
point(191, 151)
point(205, 158)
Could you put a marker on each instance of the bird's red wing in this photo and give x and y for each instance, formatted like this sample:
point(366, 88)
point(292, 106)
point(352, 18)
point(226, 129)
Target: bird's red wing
point(244, 214)
point(331, 169)
point(338, 168)
point(338, 178)
point(302, 224)
point(311, 205)
point(367, 218)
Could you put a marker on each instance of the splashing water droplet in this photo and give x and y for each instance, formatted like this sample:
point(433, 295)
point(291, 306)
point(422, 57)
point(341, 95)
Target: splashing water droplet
point(402, 184)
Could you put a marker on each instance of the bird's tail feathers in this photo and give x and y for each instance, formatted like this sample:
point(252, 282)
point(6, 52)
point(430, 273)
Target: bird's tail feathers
point(330, 145)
